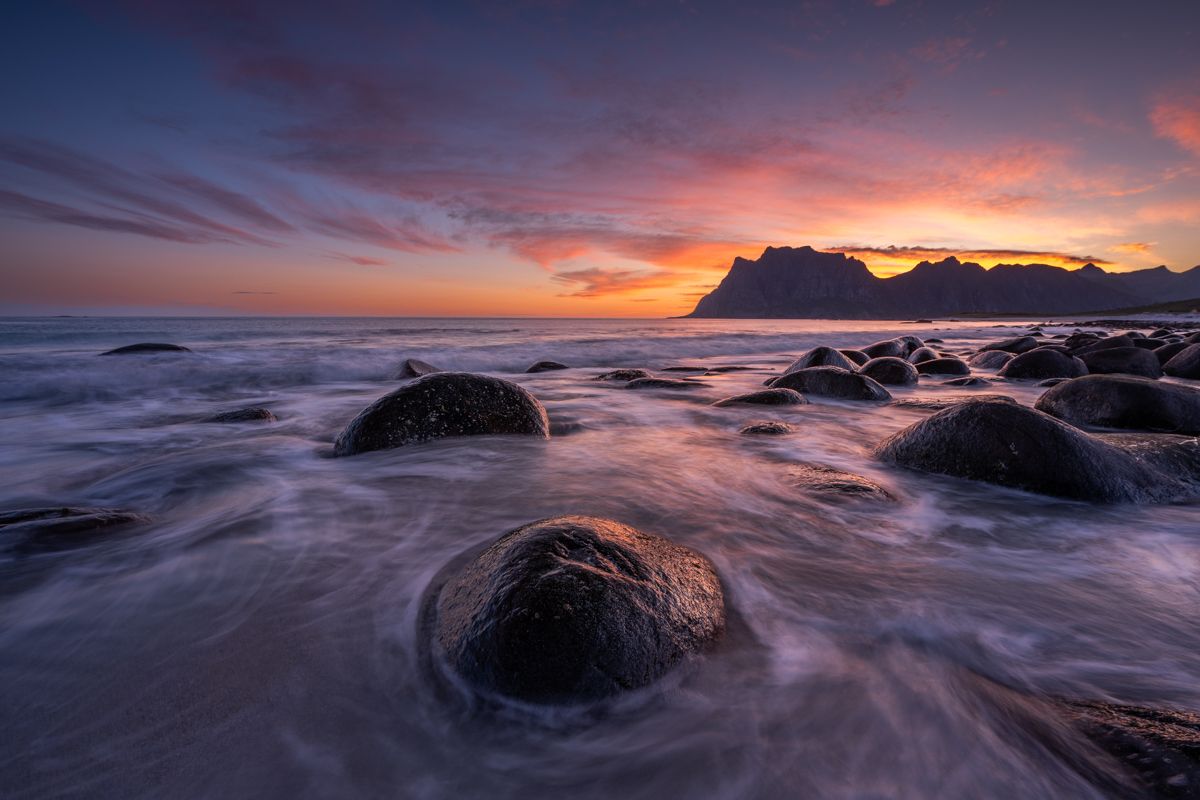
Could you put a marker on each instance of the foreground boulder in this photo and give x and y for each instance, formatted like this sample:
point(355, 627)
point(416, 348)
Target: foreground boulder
point(1185, 363)
point(835, 484)
point(576, 609)
point(1123, 401)
point(822, 357)
point(1123, 360)
point(545, 366)
point(415, 368)
point(1040, 364)
point(441, 405)
point(1010, 445)
point(146, 347)
point(243, 415)
point(890, 371)
point(832, 382)
point(766, 397)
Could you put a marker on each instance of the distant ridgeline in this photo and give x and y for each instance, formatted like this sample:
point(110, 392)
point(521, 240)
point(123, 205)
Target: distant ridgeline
point(800, 282)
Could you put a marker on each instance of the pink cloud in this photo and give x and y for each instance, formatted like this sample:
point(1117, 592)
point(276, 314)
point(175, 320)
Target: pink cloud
point(1178, 118)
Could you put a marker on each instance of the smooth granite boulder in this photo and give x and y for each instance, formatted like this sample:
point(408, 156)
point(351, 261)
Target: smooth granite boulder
point(1040, 364)
point(766, 397)
point(1126, 402)
point(1123, 360)
point(822, 357)
point(832, 382)
point(1185, 363)
point(890, 371)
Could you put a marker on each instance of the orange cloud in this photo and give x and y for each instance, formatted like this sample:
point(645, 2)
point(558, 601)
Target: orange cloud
point(1178, 118)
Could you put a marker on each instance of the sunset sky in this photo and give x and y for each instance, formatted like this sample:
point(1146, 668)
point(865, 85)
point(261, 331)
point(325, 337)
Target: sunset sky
point(579, 159)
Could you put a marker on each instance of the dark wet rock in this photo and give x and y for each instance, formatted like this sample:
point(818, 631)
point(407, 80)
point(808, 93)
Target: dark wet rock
point(1111, 343)
point(822, 357)
point(944, 366)
point(1159, 333)
point(1010, 445)
point(1036, 334)
point(1169, 351)
point(1076, 340)
point(243, 415)
point(1041, 363)
point(1146, 343)
point(146, 347)
point(545, 366)
point(1058, 348)
point(766, 397)
point(934, 341)
point(769, 428)
point(890, 371)
point(728, 368)
point(969, 382)
point(61, 526)
point(1122, 401)
point(1016, 344)
point(1159, 747)
point(440, 405)
point(990, 359)
point(837, 484)
point(622, 375)
point(857, 356)
point(895, 348)
point(684, 368)
point(663, 383)
point(1192, 338)
point(1052, 382)
point(940, 403)
point(832, 382)
point(1124, 360)
point(415, 368)
point(1185, 363)
point(923, 354)
point(576, 609)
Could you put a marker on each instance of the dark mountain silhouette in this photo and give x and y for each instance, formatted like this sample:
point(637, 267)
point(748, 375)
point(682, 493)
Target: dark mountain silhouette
point(800, 282)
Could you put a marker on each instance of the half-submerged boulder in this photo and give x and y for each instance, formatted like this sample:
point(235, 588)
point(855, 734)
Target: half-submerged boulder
point(146, 347)
point(944, 366)
point(923, 354)
point(57, 527)
point(1016, 344)
point(832, 382)
point(822, 357)
point(890, 371)
point(243, 415)
point(1185, 363)
point(836, 484)
point(545, 366)
point(415, 368)
point(766, 397)
point(1123, 360)
point(1125, 402)
point(897, 348)
point(990, 359)
point(440, 405)
point(1010, 445)
point(622, 375)
point(664, 383)
point(576, 609)
point(766, 428)
point(857, 356)
point(1040, 364)
point(968, 382)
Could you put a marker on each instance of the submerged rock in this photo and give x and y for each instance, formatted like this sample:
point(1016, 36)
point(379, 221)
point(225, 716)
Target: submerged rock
point(1124, 360)
point(415, 368)
point(822, 357)
point(1123, 401)
point(890, 371)
point(943, 366)
point(838, 484)
point(243, 415)
point(545, 366)
point(832, 382)
point(769, 428)
point(1041, 364)
point(969, 382)
point(766, 397)
point(1010, 445)
point(146, 347)
point(60, 526)
point(663, 383)
point(441, 405)
point(575, 609)
point(1185, 363)
point(622, 375)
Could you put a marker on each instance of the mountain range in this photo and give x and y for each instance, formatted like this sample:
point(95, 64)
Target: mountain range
point(800, 282)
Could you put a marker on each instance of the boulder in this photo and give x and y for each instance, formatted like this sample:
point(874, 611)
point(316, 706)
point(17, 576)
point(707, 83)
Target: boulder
point(769, 428)
point(832, 382)
point(857, 356)
point(415, 368)
point(1051, 382)
point(1042, 363)
point(990, 359)
point(1146, 343)
point(944, 366)
point(1169, 351)
point(545, 366)
point(58, 527)
point(1111, 343)
point(1192, 338)
point(1123, 401)
point(889, 347)
point(575, 609)
point(243, 415)
point(622, 375)
point(146, 347)
point(1081, 340)
point(1011, 445)
point(440, 405)
point(1016, 344)
point(663, 383)
point(1185, 363)
point(766, 397)
point(822, 357)
point(890, 371)
point(923, 354)
point(934, 341)
point(969, 382)
point(1125, 360)
point(837, 484)
point(1159, 333)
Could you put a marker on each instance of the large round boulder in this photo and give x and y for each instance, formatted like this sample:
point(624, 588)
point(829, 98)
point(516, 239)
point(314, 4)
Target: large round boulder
point(1016, 344)
point(1169, 351)
point(890, 371)
point(923, 354)
point(1041, 363)
point(889, 347)
point(1124, 360)
point(1185, 363)
point(990, 359)
point(765, 397)
point(1110, 343)
point(944, 366)
point(1011, 445)
point(832, 382)
point(1123, 401)
point(440, 405)
point(857, 356)
point(575, 609)
point(822, 357)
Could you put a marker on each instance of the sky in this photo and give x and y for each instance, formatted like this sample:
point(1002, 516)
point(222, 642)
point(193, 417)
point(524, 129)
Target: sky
point(557, 158)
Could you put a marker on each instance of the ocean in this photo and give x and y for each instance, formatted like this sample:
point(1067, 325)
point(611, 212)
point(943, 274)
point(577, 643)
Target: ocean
point(261, 636)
